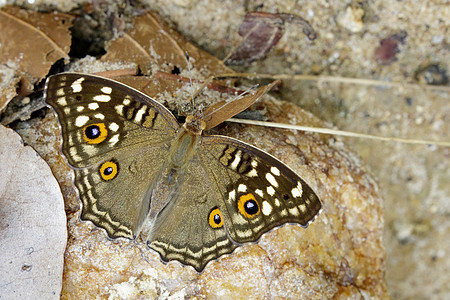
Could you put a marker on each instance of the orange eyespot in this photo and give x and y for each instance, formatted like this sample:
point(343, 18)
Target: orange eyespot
point(109, 170)
point(248, 206)
point(215, 218)
point(95, 133)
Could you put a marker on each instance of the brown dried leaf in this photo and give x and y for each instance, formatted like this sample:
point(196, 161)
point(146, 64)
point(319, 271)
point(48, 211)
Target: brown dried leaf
point(261, 32)
point(33, 232)
point(224, 110)
point(163, 82)
point(30, 43)
point(154, 46)
point(8, 84)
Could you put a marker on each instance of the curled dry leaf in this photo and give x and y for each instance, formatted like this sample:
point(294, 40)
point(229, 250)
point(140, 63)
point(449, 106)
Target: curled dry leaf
point(224, 110)
point(33, 231)
point(154, 46)
point(30, 43)
point(261, 32)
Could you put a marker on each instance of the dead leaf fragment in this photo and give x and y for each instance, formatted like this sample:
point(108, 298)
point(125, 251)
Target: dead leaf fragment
point(224, 110)
point(31, 42)
point(261, 32)
point(155, 46)
point(33, 231)
point(8, 84)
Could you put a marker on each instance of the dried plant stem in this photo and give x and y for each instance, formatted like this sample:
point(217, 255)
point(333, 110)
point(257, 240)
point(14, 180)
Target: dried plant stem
point(339, 132)
point(338, 79)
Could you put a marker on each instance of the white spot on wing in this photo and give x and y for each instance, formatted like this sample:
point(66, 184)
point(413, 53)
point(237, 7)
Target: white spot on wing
point(106, 90)
point(254, 163)
point(80, 108)
point(236, 160)
point(60, 92)
point(252, 173)
point(277, 202)
point(62, 101)
point(93, 106)
point(126, 101)
point(70, 139)
point(302, 207)
point(114, 127)
point(294, 211)
point(99, 116)
point(140, 113)
point(271, 179)
point(232, 195)
point(244, 233)
point(242, 188)
point(296, 193)
point(275, 171)
point(81, 120)
point(259, 193)
point(270, 191)
point(266, 208)
point(114, 139)
point(119, 109)
point(76, 85)
point(102, 98)
point(299, 187)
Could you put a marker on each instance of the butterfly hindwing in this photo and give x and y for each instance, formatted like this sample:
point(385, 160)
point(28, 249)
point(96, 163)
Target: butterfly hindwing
point(107, 201)
point(191, 229)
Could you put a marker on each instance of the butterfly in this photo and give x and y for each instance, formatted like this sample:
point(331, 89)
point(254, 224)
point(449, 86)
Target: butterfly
point(192, 197)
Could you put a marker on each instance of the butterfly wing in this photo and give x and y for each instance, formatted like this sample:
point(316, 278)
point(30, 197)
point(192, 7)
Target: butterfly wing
point(258, 192)
point(190, 229)
point(233, 194)
point(114, 137)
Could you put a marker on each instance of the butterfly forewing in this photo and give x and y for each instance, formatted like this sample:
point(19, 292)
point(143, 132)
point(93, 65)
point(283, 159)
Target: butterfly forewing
point(114, 137)
point(122, 117)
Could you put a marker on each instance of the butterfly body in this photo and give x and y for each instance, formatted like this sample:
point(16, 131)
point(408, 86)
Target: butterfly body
point(138, 171)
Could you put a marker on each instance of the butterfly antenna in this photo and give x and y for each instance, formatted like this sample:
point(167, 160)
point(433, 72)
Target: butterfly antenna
point(190, 80)
point(234, 99)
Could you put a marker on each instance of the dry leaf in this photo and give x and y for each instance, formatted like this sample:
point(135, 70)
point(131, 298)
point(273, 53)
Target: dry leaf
point(33, 231)
point(163, 82)
point(261, 32)
point(154, 46)
point(8, 84)
point(30, 43)
point(224, 110)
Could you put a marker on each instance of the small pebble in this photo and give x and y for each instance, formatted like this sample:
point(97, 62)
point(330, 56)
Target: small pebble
point(432, 74)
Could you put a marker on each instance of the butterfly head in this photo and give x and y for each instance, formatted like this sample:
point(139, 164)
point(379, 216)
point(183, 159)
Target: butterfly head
point(194, 124)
